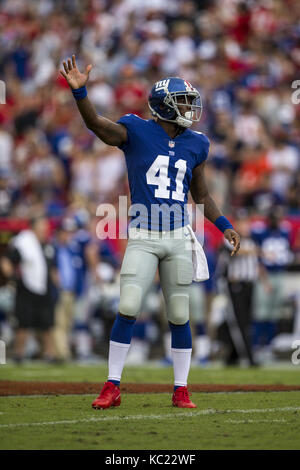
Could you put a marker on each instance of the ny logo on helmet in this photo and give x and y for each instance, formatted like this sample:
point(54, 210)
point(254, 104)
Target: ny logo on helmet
point(188, 86)
point(162, 84)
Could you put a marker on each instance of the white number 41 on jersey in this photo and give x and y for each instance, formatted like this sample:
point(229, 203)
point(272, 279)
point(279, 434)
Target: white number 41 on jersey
point(158, 175)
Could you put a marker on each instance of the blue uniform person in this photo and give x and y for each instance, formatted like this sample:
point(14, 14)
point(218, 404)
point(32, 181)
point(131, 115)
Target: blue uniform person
point(275, 255)
point(165, 160)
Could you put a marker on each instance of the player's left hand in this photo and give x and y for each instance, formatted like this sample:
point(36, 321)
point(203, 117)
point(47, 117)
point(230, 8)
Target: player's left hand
point(234, 239)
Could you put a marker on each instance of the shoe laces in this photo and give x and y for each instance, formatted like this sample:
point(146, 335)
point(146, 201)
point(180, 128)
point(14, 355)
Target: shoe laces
point(107, 389)
point(184, 394)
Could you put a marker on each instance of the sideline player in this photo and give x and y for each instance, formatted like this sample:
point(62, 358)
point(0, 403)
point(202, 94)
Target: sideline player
point(164, 160)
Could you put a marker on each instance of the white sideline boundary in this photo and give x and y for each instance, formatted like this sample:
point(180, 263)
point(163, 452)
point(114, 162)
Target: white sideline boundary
point(190, 414)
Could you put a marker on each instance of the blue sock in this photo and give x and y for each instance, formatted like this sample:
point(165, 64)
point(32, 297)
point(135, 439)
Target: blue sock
point(115, 382)
point(181, 336)
point(121, 333)
point(181, 339)
point(122, 330)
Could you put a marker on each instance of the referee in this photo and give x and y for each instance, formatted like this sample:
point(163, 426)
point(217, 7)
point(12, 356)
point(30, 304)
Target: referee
point(238, 276)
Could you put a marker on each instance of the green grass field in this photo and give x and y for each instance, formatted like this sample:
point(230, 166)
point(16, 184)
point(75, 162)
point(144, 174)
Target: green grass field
point(289, 375)
point(148, 421)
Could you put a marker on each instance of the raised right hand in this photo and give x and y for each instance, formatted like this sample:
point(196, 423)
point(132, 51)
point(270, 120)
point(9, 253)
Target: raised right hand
point(74, 77)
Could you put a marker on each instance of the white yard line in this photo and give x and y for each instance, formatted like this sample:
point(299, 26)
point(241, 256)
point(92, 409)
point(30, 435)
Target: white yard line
point(255, 421)
point(184, 414)
point(3, 397)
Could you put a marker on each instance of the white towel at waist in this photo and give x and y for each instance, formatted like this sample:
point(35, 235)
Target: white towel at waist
point(200, 267)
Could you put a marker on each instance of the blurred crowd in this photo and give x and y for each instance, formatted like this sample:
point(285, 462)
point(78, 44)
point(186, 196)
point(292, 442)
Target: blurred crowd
point(243, 56)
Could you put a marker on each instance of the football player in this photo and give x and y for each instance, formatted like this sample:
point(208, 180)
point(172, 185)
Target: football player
point(165, 159)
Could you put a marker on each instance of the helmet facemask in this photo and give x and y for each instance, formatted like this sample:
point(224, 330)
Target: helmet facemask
point(191, 100)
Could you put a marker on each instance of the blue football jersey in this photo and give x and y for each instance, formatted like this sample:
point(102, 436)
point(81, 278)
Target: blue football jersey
point(160, 172)
point(275, 247)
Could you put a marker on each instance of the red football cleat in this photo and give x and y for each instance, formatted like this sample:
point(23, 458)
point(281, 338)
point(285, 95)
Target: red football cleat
point(109, 396)
point(181, 398)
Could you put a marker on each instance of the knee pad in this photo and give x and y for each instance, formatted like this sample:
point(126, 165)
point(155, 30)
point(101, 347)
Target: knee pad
point(178, 308)
point(130, 300)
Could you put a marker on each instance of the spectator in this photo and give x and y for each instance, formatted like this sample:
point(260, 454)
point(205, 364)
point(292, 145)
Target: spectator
point(8, 194)
point(284, 160)
point(64, 313)
point(6, 149)
point(293, 196)
point(275, 255)
point(242, 55)
point(31, 260)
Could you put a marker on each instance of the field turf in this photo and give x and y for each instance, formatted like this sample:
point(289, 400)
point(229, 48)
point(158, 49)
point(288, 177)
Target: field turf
point(289, 375)
point(260, 420)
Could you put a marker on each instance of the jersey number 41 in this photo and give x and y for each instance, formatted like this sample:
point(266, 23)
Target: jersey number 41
point(158, 175)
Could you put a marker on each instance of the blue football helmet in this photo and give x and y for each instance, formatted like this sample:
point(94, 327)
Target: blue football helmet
point(163, 101)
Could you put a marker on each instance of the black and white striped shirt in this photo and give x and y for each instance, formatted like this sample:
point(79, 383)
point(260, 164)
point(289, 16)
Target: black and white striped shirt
point(243, 267)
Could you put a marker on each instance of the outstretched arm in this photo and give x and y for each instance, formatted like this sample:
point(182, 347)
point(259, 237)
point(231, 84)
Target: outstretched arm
point(200, 194)
point(110, 132)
